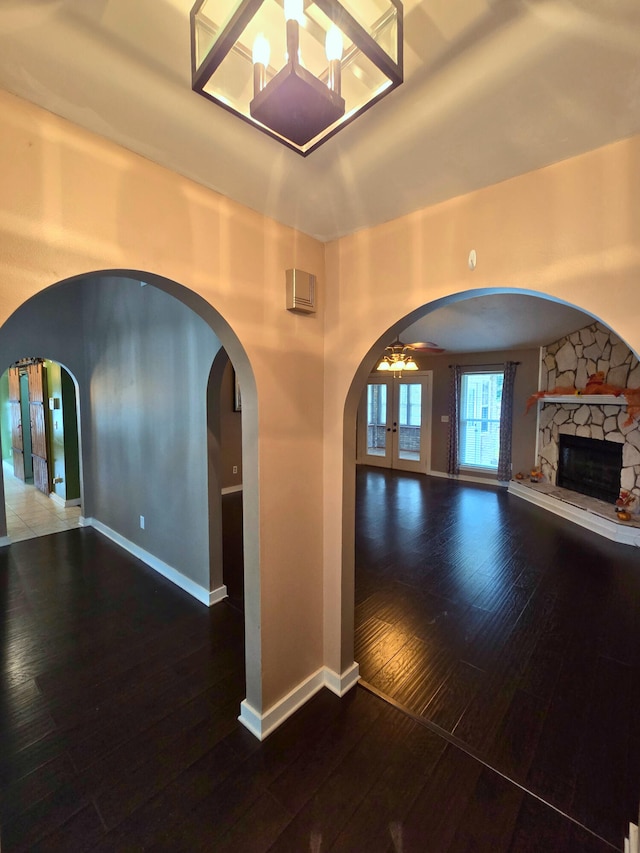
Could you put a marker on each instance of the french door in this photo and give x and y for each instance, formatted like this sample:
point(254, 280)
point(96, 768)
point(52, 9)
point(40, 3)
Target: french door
point(394, 422)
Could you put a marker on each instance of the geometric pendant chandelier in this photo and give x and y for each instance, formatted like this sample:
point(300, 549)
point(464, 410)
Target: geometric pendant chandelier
point(299, 70)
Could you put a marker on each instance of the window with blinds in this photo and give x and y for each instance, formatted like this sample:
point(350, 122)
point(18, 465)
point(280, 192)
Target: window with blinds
point(480, 405)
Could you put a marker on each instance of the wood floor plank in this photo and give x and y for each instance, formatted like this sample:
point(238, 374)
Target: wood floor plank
point(299, 782)
point(449, 703)
point(602, 772)
point(517, 738)
point(488, 823)
point(80, 833)
point(334, 802)
point(434, 817)
point(164, 765)
point(378, 820)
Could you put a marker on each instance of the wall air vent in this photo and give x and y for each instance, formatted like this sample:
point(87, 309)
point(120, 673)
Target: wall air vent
point(301, 292)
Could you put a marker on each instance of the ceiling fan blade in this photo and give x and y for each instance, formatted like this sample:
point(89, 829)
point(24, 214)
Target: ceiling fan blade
point(426, 346)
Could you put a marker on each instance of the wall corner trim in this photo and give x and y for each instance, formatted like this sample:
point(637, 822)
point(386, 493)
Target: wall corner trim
point(164, 569)
point(218, 594)
point(341, 684)
point(262, 725)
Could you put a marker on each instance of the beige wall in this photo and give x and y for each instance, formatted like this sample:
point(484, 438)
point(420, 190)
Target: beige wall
point(570, 232)
point(71, 203)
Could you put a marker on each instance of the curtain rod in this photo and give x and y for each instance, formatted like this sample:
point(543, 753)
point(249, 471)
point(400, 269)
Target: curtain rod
point(498, 364)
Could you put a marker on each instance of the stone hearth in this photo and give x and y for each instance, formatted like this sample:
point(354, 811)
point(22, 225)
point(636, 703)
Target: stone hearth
point(595, 515)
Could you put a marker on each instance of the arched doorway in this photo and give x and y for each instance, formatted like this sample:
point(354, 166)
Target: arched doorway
point(141, 348)
point(354, 398)
point(41, 449)
point(477, 605)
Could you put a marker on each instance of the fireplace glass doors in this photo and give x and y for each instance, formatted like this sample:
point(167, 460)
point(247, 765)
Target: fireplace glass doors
point(590, 466)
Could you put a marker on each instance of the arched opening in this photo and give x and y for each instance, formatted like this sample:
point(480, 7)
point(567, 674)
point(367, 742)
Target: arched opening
point(40, 448)
point(480, 613)
point(141, 348)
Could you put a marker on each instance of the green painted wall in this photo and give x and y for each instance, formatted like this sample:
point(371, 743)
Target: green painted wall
point(63, 433)
point(5, 418)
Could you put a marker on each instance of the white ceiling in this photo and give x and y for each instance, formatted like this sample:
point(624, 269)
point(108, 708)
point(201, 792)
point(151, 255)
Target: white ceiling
point(493, 89)
point(498, 322)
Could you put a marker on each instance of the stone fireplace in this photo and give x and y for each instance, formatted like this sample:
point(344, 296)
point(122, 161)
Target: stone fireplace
point(569, 362)
point(596, 426)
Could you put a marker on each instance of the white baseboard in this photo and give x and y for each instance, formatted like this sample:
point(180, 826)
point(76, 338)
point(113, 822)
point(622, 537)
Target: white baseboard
point(62, 502)
point(261, 725)
point(469, 478)
point(617, 532)
point(199, 592)
point(229, 490)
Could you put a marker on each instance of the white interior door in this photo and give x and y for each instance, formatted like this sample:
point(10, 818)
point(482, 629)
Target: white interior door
point(394, 422)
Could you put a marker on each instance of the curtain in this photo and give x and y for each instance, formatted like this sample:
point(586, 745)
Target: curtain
point(453, 466)
point(506, 421)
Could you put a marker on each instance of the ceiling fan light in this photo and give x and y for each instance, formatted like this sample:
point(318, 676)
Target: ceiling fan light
point(384, 365)
point(410, 364)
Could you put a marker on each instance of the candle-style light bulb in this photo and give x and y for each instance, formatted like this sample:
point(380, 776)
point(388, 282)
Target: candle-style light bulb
point(261, 53)
point(294, 16)
point(333, 48)
point(294, 10)
point(261, 50)
point(333, 43)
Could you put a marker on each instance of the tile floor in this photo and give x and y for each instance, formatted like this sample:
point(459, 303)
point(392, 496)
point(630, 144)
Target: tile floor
point(31, 513)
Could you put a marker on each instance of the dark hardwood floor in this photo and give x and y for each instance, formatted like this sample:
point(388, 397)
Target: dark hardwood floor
point(515, 633)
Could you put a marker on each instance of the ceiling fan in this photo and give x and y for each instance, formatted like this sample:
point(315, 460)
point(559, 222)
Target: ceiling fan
point(397, 355)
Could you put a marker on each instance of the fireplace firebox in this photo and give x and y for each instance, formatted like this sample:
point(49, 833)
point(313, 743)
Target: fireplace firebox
point(590, 466)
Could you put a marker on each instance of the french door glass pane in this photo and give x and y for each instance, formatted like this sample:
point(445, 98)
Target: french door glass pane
point(480, 407)
point(376, 420)
point(409, 420)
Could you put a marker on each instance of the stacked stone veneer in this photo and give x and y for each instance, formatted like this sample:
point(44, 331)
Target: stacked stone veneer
point(569, 362)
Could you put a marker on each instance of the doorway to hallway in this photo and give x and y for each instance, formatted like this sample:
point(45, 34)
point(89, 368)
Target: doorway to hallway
point(394, 422)
point(40, 448)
